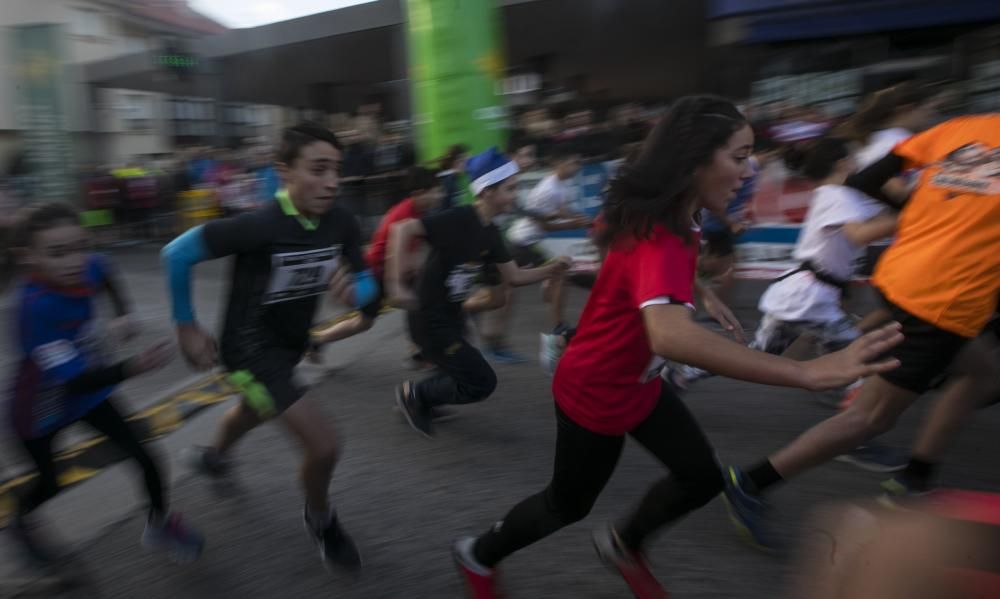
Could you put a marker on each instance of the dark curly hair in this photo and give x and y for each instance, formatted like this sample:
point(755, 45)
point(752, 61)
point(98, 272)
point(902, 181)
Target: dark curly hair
point(654, 187)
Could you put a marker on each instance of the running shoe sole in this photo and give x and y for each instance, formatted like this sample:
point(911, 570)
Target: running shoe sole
point(869, 466)
point(401, 405)
point(445, 415)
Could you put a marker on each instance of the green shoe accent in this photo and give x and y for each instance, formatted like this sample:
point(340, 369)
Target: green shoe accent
point(894, 488)
point(257, 396)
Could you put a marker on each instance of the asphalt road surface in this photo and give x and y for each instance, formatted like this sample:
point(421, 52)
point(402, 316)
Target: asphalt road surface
point(405, 498)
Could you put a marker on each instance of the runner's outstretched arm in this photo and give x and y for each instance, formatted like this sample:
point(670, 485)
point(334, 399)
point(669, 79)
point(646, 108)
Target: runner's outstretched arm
point(675, 336)
point(872, 180)
point(179, 258)
point(401, 236)
point(718, 310)
point(862, 233)
point(519, 277)
point(112, 285)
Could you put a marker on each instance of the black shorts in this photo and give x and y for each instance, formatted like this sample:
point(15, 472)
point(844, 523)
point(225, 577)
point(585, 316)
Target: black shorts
point(719, 243)
point(925, 354)
point(266, 381)
point(529, 256)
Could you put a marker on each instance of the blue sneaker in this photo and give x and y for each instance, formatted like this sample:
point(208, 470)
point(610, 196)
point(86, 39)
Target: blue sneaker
point(502, 355)
point(748, 512)
point(874, 457)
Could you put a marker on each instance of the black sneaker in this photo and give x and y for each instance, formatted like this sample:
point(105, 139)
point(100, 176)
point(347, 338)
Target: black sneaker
point(417, 415)
point(336, 547)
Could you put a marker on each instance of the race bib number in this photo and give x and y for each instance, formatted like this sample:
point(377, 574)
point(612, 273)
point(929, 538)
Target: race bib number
point(461, 280)
point(296, 275)
point(653, 369)
point(54, 354)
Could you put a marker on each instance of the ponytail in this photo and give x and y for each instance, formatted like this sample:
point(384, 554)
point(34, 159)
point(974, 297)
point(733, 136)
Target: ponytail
point(20, 231)
point(877, 110)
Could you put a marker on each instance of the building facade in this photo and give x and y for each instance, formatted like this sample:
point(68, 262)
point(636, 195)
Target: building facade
point(108, 126)
point(828, 53)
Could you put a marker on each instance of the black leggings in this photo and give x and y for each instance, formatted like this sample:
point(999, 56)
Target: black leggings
point(106, 420)
point(462, 375)
point(583, 465)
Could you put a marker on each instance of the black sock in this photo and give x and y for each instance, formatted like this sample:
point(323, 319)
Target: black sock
point(762, 476)
point(918, 473)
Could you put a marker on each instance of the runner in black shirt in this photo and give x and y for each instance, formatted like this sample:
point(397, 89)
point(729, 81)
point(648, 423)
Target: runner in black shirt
point(287, 254)
point(465, 246)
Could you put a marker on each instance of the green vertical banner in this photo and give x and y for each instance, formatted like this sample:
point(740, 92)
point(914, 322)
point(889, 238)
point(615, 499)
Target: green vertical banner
point(456, 62)
point(38, 66)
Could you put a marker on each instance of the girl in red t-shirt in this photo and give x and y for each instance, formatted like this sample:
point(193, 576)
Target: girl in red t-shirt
point(607, 384)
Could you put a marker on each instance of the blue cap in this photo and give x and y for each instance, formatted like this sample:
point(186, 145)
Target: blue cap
point(489, 168)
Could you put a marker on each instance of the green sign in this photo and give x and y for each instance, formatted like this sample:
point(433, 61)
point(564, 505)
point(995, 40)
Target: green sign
point(176, 60)
point(38, 67)
point(456, 62)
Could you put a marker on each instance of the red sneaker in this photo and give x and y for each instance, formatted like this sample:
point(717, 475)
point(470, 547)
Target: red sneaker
point(630, 564)
point(480, 582)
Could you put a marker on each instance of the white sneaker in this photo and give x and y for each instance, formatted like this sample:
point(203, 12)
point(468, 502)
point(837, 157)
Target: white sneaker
point(549, 353)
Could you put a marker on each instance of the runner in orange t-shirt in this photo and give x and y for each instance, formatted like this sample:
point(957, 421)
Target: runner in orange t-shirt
point(950, 228)
point(940, 280)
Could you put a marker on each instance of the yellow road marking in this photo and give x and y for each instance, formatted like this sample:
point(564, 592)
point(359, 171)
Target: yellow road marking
point(16, 482)
point(76, 474)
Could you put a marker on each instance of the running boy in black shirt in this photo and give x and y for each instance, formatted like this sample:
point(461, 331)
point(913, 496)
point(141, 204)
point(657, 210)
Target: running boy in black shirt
point(287, 254)
point(465, 244)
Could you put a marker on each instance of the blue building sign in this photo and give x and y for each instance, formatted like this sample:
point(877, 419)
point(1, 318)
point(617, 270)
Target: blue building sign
point(783, 20)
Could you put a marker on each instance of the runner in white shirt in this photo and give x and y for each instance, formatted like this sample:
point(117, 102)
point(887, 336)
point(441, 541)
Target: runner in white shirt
point(885, 119)
point(840, 223)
